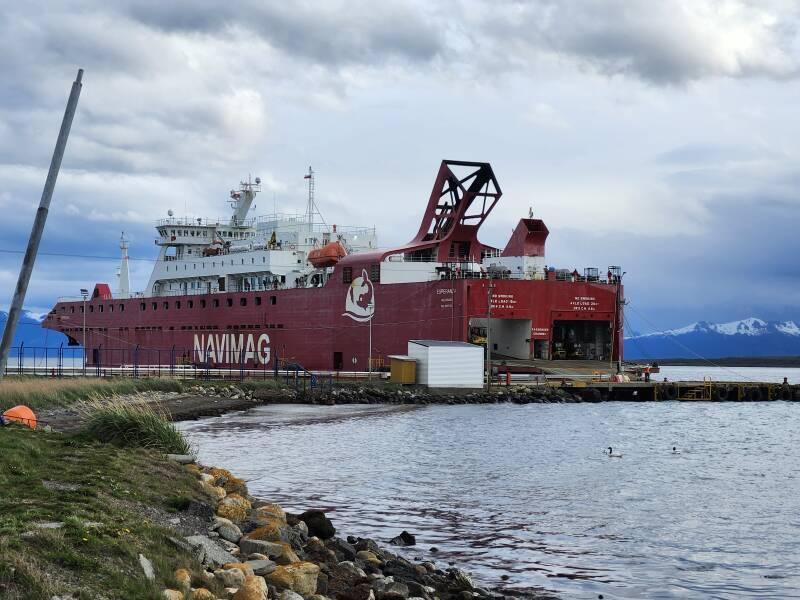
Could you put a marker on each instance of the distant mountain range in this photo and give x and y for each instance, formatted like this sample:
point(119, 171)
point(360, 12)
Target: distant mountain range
point(30, 331)
point(748, 337)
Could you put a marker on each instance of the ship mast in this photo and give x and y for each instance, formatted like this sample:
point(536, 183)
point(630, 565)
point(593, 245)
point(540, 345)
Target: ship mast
point(310, 207)
point(124, 281)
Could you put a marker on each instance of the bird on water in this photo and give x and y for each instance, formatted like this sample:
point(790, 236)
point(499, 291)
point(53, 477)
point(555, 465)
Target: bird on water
point(613, 454)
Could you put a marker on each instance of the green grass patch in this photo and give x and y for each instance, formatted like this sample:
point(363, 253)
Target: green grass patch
point(135, 424)
point(106, 496)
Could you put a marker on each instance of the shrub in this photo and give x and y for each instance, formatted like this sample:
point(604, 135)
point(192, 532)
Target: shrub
point(133, 424)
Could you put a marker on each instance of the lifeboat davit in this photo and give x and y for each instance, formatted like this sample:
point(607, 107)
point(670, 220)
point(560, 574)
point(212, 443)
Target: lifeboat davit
point(327, 256)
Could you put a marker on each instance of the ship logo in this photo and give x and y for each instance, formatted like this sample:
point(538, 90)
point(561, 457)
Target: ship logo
point(359, 303)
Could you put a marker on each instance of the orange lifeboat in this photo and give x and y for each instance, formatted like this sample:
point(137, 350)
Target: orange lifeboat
point(20, 414)
point(327, 256)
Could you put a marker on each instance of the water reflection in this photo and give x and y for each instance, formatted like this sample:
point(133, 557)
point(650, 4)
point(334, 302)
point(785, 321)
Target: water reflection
point(527, 491)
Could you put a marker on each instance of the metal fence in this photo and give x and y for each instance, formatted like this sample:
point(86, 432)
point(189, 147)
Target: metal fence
point(181, 363)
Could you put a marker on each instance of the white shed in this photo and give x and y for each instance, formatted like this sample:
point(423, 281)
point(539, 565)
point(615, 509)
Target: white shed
point(448, 364)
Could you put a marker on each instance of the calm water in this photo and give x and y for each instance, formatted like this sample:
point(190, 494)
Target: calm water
point(765, 374)
point(527, 491)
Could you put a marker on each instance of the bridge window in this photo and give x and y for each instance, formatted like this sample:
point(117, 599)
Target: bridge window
point(100, 308)
point(242, 301)
point(229, 301)
point(273, 300)
point(155, 305)
point(177, 304)
point(190, 303)
point(142, 306)
point(121, 307)
point(91, 308)
point(347, 275)
point(258, 300)
point(166, 305)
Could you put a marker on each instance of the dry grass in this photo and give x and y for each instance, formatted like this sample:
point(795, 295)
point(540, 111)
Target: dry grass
point(42, 393)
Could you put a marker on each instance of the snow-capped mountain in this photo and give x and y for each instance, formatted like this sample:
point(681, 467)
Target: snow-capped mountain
point(748, 337)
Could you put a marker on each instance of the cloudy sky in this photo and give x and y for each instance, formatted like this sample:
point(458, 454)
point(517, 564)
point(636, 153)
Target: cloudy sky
point(662, 135)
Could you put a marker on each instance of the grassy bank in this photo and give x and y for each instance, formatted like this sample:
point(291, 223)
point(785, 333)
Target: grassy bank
point(45, 393)
point(108, 500)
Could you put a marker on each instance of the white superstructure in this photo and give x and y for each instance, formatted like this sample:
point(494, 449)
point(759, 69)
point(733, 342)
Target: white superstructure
point(200, 255)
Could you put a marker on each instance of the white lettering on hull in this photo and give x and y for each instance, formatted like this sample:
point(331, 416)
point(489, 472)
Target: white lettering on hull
point(230, 348)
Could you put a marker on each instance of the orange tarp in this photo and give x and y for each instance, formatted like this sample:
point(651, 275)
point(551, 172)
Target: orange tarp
point(21, 414)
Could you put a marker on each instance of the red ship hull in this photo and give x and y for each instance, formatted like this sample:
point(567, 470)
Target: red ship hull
point(309, 327)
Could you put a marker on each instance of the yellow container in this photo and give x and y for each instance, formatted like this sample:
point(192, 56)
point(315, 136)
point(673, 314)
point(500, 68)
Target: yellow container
point(403, 369)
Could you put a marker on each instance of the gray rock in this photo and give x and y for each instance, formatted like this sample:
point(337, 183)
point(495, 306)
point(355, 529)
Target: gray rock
point(209, 552)
point(352, 569)
point(147, 567)
point(262, 567)
point(49, 525)
point(289, 595)
point(182, 459)
point(227, 530)
point(229, 578)
point(249, 546)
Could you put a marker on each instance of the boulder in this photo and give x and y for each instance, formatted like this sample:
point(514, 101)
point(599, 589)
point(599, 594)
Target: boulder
point(404, 539)
point(304, 577)
point(181, 459)
point(344, 550)
point(147, 567)
point(274, 531)
point(208, 551)
point(289, 595)
point(183, 579)
point(254, 588)
point(262, 567)
point(243, 567)
point(249, 546)
point(217, 493)
point(288, 555)
point(227, 530)
point(172, 595)
point(300, 577)
point(203, 594)
point(318, 524)
point(234, 507)
point(230, 577)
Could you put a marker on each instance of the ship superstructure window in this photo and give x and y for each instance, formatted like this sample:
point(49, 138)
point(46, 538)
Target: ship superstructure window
point(177, 304)
point(258, 300)
point(142, 306)
point(242, 301)
point(190, 303)
point(216, 303)
point(273, 300)
point(347, 275)
point(110, 308)
point(91, 308)
point(72, 309)
point(202, 303)
point(375, 273)
point(100, 308)
point(166, 305)
point(229, 301)
point(155, 305)
point(121, 308)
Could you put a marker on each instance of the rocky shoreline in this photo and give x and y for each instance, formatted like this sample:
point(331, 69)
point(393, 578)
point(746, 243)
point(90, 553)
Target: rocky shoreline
point(252, 549)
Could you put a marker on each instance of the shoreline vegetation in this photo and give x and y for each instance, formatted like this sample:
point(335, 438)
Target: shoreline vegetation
point(120, 509)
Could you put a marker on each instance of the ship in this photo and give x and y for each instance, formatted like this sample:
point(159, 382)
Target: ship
point(263, 293)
